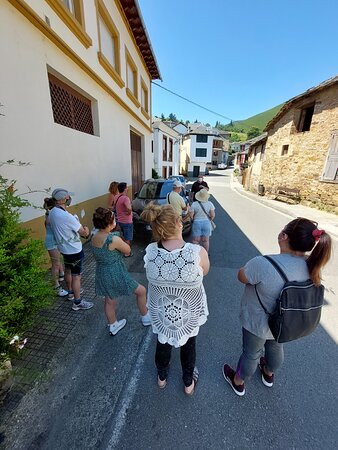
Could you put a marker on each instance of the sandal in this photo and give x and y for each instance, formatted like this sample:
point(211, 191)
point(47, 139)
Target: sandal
point(161, 383)
point(195, 377)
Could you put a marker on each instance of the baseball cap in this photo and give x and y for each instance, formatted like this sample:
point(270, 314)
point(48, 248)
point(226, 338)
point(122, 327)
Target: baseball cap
point(177, 183)
point(60, 193)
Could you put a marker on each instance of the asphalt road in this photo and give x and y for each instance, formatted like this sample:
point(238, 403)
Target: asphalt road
point(102, 391)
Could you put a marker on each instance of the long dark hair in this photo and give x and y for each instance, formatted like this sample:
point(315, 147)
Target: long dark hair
point(304, 236)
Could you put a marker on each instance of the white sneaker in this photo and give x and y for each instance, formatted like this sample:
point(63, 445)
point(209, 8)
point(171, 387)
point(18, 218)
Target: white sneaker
point(146, 320)
point(61, 292)
point(117, 326)
point(82, 305)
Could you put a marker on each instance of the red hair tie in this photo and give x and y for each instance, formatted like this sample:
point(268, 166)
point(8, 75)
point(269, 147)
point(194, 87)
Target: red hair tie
point(317, 233)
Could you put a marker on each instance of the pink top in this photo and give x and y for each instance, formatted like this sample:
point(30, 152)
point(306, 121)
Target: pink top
point(122, 204)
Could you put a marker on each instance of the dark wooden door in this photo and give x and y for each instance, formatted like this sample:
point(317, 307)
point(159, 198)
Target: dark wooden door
point(136, 161)
point(196, 171)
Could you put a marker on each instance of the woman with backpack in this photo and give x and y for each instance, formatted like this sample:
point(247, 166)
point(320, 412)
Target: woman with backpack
point(263, 284)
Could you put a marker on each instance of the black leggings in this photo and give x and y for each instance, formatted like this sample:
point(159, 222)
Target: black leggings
point(188, 359)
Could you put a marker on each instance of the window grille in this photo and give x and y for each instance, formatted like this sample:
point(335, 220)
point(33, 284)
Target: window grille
point(70, 108)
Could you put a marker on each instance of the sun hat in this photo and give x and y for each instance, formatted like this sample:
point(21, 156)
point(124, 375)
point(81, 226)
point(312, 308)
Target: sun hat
point(60, 193)
point(202, 195)
point(177, 183)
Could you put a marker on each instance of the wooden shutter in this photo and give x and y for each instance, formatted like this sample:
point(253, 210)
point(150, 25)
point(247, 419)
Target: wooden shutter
point(331, 165)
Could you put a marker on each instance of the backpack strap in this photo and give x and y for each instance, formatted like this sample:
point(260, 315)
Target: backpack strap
point(277, 267)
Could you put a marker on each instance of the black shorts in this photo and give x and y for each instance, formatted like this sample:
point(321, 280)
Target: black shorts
point(74, 262)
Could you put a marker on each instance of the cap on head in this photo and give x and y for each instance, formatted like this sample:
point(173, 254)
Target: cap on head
point(177, 184)
point(60, 193)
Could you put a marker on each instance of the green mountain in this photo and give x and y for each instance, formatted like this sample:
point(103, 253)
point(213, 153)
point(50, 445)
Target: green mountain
point(259, 120)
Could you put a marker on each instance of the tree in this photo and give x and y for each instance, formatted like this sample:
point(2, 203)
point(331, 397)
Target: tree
point(253, 132)
point(162, 117)
point(172, 117)
point(207, 124)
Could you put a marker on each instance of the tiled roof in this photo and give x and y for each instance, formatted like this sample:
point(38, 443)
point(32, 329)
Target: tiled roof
point(134, 17)
point(325, 84)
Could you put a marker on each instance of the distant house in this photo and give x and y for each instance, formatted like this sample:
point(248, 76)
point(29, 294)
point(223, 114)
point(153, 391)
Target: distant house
point(203, 147)
point(235, 147)
point(165, 147)
point(302, 146)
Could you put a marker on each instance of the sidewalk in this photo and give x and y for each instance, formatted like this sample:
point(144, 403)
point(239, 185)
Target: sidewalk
point(326, 221)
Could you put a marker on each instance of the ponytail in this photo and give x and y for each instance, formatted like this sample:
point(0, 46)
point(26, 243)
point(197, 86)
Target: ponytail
point(319, 256)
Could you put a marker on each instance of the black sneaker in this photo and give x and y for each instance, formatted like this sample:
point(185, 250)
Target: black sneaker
point(267, 380)
point(229, 375)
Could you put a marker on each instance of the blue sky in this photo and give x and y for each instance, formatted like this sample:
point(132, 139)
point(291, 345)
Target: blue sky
point(239, 57)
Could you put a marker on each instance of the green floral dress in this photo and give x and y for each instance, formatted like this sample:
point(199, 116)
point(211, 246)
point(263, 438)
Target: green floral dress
point(112, 277)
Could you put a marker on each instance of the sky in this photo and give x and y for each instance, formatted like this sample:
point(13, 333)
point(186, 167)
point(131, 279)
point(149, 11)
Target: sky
point(239, 57)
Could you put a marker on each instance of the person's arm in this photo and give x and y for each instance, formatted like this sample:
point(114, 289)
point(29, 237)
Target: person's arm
point(204, 261)
point(127, 205)
point(241, 276)
point(212, 213)
point(252, 272)
point(191, 211)
point(83, 231)
point(183, 205)
point(110, 202)
point(120, 245)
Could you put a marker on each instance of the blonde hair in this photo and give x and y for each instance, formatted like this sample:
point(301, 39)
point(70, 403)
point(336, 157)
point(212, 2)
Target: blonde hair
point(163, 220)
point(113, 187)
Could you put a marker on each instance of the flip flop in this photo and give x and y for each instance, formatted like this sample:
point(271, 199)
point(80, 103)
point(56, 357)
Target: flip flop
point(195, 377)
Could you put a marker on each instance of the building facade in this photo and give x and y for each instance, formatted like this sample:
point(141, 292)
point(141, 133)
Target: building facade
point(76, 95)
point(165, 149)
point(302, 146)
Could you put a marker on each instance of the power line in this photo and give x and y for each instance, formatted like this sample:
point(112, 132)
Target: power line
point(194, 103)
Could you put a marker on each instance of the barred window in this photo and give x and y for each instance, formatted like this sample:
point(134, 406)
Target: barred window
point(70, 108)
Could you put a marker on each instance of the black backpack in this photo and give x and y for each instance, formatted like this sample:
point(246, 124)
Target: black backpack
point(298, 308)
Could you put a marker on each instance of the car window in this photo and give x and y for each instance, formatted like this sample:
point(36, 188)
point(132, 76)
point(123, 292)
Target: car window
point(166, 188)
point(151, 190)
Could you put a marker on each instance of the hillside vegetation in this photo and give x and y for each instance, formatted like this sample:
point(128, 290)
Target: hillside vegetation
point(259, 120)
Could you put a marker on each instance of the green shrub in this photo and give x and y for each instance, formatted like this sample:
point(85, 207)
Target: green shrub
point(24, 285)
point(154, 174)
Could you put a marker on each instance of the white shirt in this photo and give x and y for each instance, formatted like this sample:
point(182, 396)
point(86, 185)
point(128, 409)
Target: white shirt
point(199, 214)
point(177, 301)
point(65, 228)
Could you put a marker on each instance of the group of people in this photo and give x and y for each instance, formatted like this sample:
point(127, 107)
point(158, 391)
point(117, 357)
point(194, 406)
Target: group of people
point(176, 303)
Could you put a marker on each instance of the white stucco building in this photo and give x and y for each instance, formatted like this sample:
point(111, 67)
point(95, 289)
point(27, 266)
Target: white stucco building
point(165, 149)
point(202, 148)
point(76, 93)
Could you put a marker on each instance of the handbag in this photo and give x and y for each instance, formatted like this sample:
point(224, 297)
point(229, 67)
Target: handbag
point(298, 308)
point(212, 223)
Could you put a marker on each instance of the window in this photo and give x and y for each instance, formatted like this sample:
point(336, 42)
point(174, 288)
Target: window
point(215, 153)
point(164, 172)
point(305, 118)
point(71, 13)
point(70, 108)
point(201, 152)
point(170, 171)
point(331, 165)
point(201, 138)
point(170, 150)
point(285, 150)
point(132, 86)
point(144, 99)
point(109, 43)
point(164, 148)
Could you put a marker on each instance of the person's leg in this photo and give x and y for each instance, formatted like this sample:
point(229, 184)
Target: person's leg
point(162, 360)
point(205, 242)
point(76, 287)
point(141, 299)
point(248, 361)
point(188, 360)
point(68, 278)
point(274, 356)
point(55, 260)
point(110, 309)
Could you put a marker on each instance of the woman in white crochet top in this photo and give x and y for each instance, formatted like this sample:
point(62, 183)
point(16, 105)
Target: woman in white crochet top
point(177, 301)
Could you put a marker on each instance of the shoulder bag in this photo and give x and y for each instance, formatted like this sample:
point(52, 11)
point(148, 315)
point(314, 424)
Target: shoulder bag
point(212, 223)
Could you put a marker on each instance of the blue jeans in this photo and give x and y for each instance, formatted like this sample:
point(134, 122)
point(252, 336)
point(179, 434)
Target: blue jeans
point(253, 347)
point(127, 230)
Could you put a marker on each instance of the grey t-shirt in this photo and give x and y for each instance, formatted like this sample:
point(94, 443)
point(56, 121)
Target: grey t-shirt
point(199, 214)
point(269, 283)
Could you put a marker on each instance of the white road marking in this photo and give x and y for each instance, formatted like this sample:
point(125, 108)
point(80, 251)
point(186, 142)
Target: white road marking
point(129, 393)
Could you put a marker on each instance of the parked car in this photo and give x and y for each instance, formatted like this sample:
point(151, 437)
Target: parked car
point(155, 191)
point(222, 166)
point(179, 178)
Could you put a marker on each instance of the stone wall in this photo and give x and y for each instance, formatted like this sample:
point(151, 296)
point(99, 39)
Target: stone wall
point(304, 164)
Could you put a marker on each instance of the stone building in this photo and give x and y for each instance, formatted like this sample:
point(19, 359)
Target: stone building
point(255, 160)
point(302, 146)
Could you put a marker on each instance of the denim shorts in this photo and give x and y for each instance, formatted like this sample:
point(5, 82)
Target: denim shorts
point(201, 228)
point(74, 262)
point(127, 230)
point(50, 242)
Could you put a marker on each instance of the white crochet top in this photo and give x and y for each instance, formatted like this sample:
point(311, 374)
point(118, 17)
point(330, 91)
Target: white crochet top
point(177, 301)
